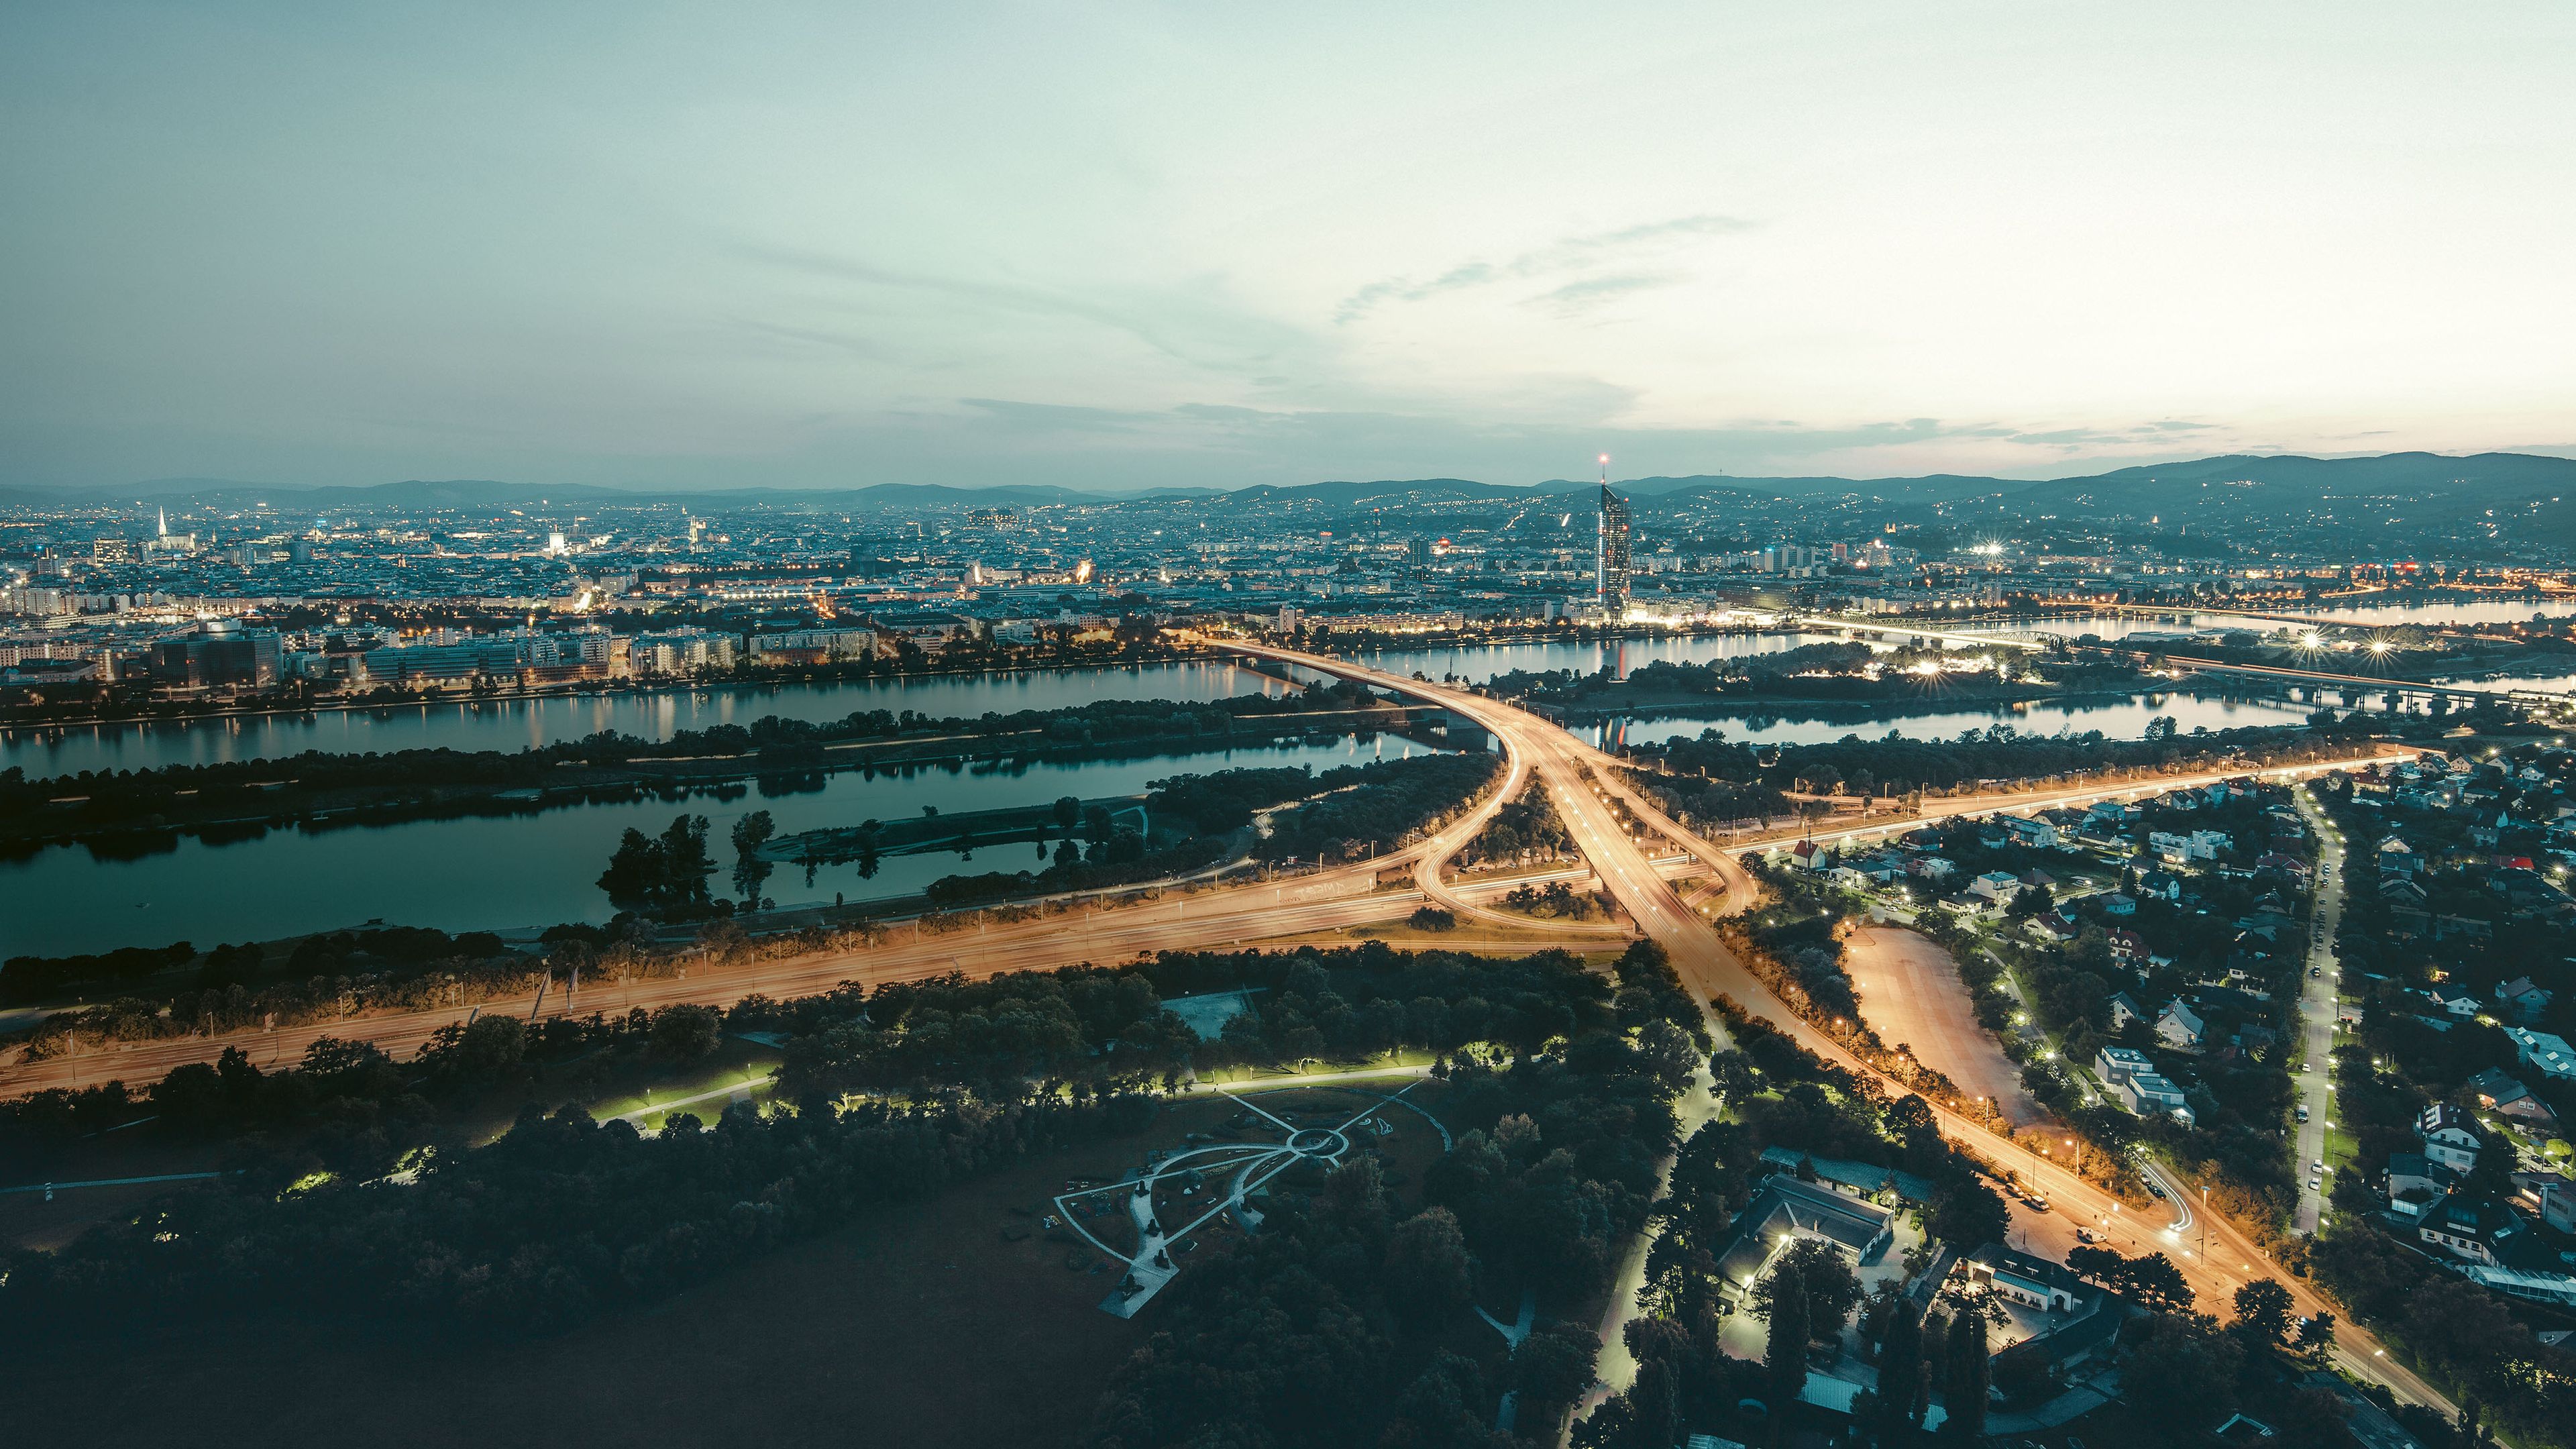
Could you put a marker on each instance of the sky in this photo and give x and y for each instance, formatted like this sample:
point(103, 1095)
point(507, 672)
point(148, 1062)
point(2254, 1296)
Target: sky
point(1105, 246)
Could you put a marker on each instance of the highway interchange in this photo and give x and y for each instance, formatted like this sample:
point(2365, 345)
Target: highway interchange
point(1579, 779)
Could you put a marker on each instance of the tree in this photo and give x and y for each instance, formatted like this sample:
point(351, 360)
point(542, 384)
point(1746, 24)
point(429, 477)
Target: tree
point(1816, 1268)
point(750, 833)
point(2151, 1278)
point(2183, 1369)
point(1900, 1373)
point(1964, 1378)
point(1068, 813)
point(686, 1033)
point(634, 869)
point(1784, 1356)
point(665, 872)
point(2262, 1315)
point(1968, 1215)
point(1428, 1276)
point(1553, 1366)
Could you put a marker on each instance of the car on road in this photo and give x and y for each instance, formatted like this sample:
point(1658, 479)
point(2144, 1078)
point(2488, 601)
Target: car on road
point(2085, 1235)
point(2315, 971)
point(2155, 1187)
point(2316, 1167)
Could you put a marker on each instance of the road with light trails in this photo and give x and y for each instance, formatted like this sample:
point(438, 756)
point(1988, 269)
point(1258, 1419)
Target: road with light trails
point(1579, 779)
point(1710, 969)
point(1213, 920)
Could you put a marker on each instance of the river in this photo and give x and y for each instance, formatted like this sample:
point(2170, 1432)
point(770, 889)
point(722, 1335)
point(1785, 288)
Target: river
point(514, 724)
point(2115, 717)
point(506, 872)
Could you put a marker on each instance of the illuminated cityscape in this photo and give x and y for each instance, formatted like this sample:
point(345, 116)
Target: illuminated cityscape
point(1652, 728)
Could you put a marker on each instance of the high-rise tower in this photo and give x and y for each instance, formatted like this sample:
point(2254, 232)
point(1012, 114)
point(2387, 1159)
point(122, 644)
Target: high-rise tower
point(1610, 552)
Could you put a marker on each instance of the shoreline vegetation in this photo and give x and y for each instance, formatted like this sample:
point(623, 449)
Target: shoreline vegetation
point(157, 993)
point(123, 813)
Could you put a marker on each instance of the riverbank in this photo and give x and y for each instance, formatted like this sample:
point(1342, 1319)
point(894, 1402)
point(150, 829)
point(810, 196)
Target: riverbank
point(142, 811)
point(18, 718)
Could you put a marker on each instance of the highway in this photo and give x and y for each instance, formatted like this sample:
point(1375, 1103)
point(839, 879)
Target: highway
point(1709, 969)
point(1582, 782)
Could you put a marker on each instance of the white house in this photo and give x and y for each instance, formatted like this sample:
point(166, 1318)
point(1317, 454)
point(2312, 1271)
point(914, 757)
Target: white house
point(2179, 1026)
point(2037, 834)
point(2033, 1282)
point(1998, 886)
point(2450, 1136)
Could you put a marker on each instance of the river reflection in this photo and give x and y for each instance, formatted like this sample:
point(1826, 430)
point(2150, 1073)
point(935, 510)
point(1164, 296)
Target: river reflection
point(518, 724)
point(2116, 718)
point(503, 872)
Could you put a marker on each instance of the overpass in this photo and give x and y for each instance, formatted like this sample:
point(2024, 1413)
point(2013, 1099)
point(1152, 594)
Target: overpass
point(1582, 781)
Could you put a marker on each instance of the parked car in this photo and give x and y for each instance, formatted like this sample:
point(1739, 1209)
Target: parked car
point(2155, 1187)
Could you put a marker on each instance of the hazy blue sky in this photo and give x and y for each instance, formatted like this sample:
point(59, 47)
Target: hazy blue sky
point(1098, 244)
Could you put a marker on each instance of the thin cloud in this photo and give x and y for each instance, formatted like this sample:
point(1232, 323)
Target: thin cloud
point(1574, 253)
point(1575, 298)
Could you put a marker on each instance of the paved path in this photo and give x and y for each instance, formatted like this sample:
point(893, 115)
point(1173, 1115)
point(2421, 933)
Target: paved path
point(1911, 994)
point(2319, 997)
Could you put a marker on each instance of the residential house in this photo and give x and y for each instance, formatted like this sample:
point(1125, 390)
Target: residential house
point(2053, 926)
point(2123, 1010)
point(2547, 1196)
point(2033, 1282)
point(2396, 855)
point(2132, 1080)
point(2475, 1231)
point(2544, 1053)
point(1808, 855)
point(2415, 1183)
point(2119, 905)
point(2161, 884)
point(2289, 867)
point(2521, 1000)
point(2450, 1136)
point(2179, 1026)
point(1996, 886)
point(2168, 847)
point(2024, 831)
point(2502, 1095)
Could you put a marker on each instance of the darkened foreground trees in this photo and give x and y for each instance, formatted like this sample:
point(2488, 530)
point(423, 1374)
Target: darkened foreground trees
point(1347, 1320)
point(2466, 1338)
point(887, 1096)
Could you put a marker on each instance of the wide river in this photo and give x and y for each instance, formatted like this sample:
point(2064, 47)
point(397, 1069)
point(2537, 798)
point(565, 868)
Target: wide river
point(520, 723)
point(506, 872)
point(531, 870)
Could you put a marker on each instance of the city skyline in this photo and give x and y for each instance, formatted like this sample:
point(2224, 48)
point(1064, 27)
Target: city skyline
point(1163, 249)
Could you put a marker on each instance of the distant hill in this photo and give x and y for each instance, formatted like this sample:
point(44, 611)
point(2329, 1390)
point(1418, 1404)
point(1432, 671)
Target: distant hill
point(2289, 478)
point(1385, 493)
point(1936, 488)
point(2423, 491)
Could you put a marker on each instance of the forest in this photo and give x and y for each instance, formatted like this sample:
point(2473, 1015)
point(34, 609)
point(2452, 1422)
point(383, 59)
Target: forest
point(1349, 1320)
point(887, 1095)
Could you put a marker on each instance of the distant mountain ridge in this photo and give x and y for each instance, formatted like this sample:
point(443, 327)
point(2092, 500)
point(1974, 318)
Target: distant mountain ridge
point(2532, 481)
